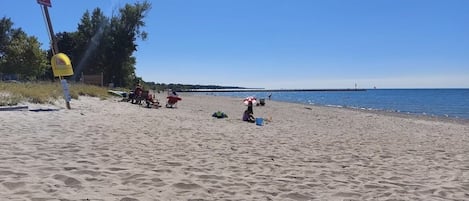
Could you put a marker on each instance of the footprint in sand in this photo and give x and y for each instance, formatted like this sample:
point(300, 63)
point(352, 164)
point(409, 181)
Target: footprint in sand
point(211, 177)
point(157, 182)
point(68, 181)
point(162, 171)
point(129, 199)
point(7, 172)
point(134, 179)
point(347, 195)
point(114, 169)
point(173, 163)
point(188, 186)
point(70, 168)
point(86, 162)
point(298, 196)
point(13, 185)
point(87, 172)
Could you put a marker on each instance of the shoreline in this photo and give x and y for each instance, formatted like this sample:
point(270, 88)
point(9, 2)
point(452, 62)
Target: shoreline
point(403, 115)
point(432, 117)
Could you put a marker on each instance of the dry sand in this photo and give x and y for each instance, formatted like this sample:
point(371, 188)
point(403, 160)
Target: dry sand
point(110, 150)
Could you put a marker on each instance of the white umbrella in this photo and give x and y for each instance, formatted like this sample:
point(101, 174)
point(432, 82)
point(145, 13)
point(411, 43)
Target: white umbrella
point(251, 99)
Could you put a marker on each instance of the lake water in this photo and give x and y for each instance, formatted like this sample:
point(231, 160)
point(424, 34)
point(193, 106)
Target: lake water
point(452, 103)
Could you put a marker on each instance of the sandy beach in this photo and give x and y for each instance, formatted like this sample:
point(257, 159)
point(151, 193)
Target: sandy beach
point(117, 151)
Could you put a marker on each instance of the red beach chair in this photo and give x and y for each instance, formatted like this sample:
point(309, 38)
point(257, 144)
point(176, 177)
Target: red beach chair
point(172, 101)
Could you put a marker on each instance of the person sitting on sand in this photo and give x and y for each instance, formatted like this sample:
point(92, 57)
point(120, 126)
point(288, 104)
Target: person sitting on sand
point(248, 116)
point(250, 107)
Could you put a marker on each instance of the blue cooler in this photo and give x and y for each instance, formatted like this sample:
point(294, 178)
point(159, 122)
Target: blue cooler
point(259, 121)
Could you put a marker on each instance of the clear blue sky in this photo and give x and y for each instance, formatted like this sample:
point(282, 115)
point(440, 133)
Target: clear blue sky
point(286, 43)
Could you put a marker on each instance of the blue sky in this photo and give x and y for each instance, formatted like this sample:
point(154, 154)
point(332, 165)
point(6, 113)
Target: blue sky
point(286, 43)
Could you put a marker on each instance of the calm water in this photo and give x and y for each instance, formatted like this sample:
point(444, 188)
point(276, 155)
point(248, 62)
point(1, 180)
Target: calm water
point(452, 103)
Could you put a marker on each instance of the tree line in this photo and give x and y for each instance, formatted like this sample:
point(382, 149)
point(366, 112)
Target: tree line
point(100, 44)
point(183, 87)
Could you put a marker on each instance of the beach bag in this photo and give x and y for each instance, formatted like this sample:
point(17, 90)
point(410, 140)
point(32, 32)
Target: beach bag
point(219, 115)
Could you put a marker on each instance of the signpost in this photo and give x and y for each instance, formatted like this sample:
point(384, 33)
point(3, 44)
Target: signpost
point(61, 65)
point(44, 3)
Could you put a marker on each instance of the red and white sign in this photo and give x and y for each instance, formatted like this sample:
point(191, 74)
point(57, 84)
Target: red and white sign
point(44, 2)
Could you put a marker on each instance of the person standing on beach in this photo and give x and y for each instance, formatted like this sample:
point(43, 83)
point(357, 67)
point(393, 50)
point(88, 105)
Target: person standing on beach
point(270, 95)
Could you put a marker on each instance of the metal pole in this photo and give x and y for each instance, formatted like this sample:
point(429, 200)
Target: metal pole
point(55, 47)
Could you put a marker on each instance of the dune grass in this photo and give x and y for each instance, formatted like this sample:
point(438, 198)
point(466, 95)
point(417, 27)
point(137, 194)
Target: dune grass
point(45, 92)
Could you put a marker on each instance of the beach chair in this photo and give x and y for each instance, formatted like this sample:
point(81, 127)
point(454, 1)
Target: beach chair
point(143, 96)
point(262, 101)
point(172, 101)
point(152, 102)
point(137, 96)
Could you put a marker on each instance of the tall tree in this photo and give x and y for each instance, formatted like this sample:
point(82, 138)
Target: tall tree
point(89, 54)
point(103, 44)
point(66, 41)
point(125, 31)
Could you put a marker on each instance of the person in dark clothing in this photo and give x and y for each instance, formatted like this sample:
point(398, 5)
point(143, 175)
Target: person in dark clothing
point(249, 114)
point(250, 107)
point(249, 117)
point(137, 94)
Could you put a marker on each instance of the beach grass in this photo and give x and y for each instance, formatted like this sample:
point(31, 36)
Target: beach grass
point(45, 92)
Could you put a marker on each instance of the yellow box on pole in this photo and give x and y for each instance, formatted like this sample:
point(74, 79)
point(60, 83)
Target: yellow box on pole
point(61, 65)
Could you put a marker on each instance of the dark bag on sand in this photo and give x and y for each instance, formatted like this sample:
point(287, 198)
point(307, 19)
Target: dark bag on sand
point(219, 115)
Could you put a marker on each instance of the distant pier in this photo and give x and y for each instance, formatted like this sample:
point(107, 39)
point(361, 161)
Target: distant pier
point(268, 90)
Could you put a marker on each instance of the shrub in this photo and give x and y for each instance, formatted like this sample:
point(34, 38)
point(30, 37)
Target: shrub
point(45, 92)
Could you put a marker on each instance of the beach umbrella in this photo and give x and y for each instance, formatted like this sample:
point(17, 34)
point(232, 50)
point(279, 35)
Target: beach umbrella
point(251, 99)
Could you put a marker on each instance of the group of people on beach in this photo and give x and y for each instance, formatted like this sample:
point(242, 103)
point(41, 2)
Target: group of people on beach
point(139, 94)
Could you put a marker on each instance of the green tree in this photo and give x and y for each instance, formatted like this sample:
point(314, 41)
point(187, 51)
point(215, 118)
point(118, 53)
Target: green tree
point(5, 34)
point(125, 30)
point(66, 42)
point(107, 45)
point(20, 53)
point(88, 55)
